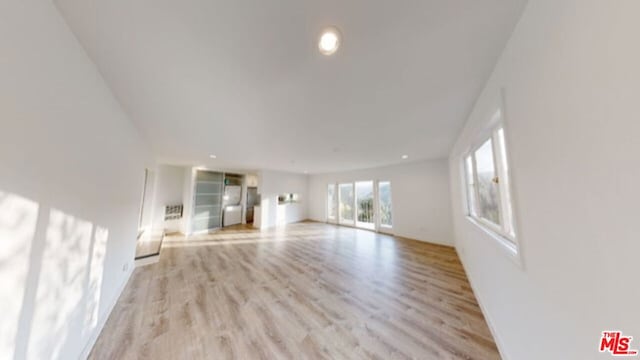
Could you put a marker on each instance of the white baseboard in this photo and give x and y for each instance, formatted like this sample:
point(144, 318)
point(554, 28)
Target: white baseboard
point(103, 320)
point(487, 316)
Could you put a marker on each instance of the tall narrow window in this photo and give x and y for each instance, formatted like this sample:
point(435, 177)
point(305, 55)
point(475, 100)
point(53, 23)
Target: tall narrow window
point(332, 202)
point(364, 205)
point(346, 202)
point(488, 185)
point(384, 200)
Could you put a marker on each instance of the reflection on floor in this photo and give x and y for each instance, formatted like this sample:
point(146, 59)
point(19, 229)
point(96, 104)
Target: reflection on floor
point(309, 290)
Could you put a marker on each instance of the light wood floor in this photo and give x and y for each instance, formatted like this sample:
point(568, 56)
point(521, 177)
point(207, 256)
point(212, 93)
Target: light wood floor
point(309, 291)
point(148, 244)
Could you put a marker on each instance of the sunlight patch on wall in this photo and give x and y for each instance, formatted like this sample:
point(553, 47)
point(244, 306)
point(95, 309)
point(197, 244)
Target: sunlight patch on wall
point(18, 219)
point(61, 286)
point(95, 278)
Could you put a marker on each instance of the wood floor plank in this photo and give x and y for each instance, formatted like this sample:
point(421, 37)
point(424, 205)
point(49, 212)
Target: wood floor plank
point(308, 291)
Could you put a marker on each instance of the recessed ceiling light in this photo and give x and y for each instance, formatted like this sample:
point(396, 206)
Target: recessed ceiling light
point(405, 157)
point(213, 156)
point(329, 41)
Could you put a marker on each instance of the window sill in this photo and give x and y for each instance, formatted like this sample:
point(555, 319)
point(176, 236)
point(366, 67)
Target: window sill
point(509, 247)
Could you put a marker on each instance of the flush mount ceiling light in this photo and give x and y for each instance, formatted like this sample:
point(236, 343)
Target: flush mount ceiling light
point(329, 41)
point(212, 156)
point(405, 157)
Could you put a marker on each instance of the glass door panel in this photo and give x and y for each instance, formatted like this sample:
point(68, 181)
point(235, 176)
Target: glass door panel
point(364, 205)
point(384, 201)
point(345, 204)
point(207, 202)
point(332, 202)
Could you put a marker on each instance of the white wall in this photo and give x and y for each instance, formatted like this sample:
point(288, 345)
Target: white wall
point(169, 190)
point(420, 197)
point(71, 175)
point(187, 198)
point(571, 77)
point(270, 185)
point(146, 221)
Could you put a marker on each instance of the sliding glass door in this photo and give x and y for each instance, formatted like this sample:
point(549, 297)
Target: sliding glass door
point(207, 201)
point(332, 203)
point(364, 205)
point(384, 206)
point(346, 204)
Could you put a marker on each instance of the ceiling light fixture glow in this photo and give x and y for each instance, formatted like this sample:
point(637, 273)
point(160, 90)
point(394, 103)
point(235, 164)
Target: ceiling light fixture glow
point(213, 156)
point(405, 157)
point(329, 41)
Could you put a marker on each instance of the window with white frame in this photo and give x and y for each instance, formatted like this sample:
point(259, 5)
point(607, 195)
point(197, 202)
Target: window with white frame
point(487, 185)
point(332, 202)
point(384, 201)
point(364, 204)
point(346, 204)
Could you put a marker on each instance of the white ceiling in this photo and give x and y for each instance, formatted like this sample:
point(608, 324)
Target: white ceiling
point(243, 79)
